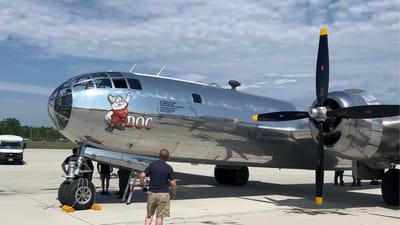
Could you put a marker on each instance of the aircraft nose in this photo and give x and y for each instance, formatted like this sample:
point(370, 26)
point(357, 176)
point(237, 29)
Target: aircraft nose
point(60, 105)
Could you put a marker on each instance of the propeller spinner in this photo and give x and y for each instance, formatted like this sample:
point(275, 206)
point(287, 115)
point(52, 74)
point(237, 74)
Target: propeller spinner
point(320, 113)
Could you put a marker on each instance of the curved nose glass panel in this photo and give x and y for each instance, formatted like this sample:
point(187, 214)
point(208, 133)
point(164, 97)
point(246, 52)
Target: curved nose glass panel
point(60, 101)
point(60, 105)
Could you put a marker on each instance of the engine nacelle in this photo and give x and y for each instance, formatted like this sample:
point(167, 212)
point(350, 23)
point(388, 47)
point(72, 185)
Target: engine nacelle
point(357, 139)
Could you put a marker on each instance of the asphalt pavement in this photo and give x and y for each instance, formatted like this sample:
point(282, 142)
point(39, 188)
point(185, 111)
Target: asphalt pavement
point(28, 196)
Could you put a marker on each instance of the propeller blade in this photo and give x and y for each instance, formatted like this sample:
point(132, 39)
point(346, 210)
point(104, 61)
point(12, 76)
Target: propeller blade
point(365, 111)
point(319, 171)
point(322, 73)
point(322, 86)
point(280, 116)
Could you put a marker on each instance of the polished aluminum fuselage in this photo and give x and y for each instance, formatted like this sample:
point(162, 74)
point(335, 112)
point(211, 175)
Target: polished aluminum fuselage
point(165, 113)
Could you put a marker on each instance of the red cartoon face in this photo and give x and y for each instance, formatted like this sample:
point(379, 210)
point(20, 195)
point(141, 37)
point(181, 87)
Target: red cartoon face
point(118, 118)
point(117, 102)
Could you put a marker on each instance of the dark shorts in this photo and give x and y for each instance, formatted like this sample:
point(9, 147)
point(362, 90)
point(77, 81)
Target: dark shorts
point(105, 176)
point(158, 203)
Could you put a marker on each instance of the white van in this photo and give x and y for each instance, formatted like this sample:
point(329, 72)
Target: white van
point(12, 148)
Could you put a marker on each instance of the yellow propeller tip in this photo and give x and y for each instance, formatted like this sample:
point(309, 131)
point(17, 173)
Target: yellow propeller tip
point(255, 117)
point(324, 31)
point(318, 200)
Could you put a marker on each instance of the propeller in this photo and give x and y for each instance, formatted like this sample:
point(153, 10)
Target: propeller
point(365, 111)
point(280, 116)
point(320, 114)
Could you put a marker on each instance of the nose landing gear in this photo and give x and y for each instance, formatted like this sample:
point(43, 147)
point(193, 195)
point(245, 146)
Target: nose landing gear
point(77, 191)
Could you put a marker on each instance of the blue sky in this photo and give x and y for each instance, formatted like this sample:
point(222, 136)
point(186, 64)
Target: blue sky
point(269, 46)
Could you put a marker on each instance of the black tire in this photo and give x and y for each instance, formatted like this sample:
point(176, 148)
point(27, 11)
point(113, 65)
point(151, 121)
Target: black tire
point(220, 175)
point(390, 187)
point(232, 176)
point(61, 190)
point(240, 176)
point(21, 161)
point(80, 194)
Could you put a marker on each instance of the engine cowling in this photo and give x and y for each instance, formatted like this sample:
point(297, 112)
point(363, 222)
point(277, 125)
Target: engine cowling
point(358, 139)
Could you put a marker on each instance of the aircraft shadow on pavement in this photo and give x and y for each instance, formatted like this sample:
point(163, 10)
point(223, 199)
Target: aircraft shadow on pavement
point(299, 196)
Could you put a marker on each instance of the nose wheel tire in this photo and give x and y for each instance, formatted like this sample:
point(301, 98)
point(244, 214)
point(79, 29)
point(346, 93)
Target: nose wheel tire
point(61, 190)
point(79, 193)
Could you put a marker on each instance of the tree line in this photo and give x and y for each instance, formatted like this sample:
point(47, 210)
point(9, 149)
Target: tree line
point(13, 126)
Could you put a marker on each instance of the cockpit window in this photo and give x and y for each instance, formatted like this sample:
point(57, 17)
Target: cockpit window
point(103, 83)
point(120, 83)
point(64, 89)
point(62, 107)
point(98, 75)
point(81, 78)
point(52, 96)
point(134, 84)
point(83, 86)
point(115, 74)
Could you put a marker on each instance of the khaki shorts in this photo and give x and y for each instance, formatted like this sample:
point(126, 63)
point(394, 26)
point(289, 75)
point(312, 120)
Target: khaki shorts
point(159, 202)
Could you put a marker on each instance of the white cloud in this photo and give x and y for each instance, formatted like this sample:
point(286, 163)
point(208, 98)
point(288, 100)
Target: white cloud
point(24, 88)
point(216, 41)
point(288, 75)
point(250, 87)
point(281, 82)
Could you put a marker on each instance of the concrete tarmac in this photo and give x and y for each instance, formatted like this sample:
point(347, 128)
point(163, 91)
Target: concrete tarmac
point(28, 197)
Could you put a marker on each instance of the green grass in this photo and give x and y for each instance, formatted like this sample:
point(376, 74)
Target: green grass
point(50, 145)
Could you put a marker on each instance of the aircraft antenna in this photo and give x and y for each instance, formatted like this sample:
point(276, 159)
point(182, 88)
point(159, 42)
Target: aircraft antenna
point(159, 72)
point(133, 67)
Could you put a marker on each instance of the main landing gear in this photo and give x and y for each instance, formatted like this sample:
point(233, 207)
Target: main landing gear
point(239, 176)
point(390, 187)
point(236, 176)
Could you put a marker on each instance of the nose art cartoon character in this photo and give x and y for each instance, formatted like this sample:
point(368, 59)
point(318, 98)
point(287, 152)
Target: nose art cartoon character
point(117, 117)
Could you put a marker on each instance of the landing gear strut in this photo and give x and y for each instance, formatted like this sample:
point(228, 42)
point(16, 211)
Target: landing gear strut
point(236, 176)
point(77, 191)
point(390, 187)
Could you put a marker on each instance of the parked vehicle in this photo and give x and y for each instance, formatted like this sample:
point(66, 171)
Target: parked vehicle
point(12, 148)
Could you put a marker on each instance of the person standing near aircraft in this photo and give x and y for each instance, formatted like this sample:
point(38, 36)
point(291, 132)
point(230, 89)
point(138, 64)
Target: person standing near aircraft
point(87, 165)
point(356, 182)
point(73, 157)
point(339, 174)
point(104, 171)
point(161, 179)
point(123, 176)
